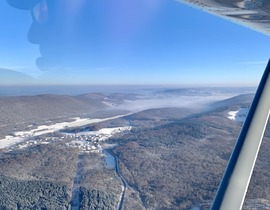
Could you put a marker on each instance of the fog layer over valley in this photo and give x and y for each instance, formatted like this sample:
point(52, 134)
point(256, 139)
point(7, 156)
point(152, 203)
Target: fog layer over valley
point(20, 113)
point(164, 149)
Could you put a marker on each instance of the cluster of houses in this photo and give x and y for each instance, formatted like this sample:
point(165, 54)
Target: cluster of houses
point(90, 141)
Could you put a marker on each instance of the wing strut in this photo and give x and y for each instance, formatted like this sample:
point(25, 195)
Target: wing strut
point(233, 187)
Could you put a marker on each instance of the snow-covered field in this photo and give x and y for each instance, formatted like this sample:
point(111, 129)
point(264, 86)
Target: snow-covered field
point(239, 115)
point(10, 141)
point(45, 129)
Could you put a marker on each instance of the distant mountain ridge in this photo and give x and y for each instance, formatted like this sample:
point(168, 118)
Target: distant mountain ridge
point(45, 107)
point(205, 91)
point(10, 77)
point(241, 100)
point(19, 112)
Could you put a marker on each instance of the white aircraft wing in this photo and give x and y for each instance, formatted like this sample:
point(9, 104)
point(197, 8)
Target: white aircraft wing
point(254, 14)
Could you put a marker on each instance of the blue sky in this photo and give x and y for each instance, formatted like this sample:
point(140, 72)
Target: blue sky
point(155, 42)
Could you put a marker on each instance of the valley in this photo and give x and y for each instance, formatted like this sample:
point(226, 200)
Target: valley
point(159, 158)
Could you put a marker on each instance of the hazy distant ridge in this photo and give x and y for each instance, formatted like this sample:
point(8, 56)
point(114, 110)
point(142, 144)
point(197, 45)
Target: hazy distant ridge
point(42, 107)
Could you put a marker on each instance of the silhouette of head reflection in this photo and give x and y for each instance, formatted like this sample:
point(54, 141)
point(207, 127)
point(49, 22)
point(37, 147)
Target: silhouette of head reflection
point(84, 33)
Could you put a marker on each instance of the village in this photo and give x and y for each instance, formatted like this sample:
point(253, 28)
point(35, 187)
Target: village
point(86, 141)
